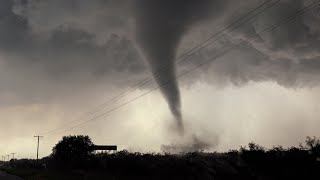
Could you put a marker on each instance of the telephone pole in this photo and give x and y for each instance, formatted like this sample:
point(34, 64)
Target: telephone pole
point(38, 146)
point(13, 155)
point(8, 157)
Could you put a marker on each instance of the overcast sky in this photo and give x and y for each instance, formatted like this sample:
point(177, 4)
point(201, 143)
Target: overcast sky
point(60, 59)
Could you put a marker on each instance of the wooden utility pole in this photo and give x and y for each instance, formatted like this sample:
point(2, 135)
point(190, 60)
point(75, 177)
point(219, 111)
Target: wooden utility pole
point(13, 155)
point(38, 146)
point(8, 157)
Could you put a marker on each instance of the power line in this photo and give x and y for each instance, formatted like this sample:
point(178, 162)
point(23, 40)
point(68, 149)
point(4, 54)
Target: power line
point(182, 57)
point(257, 35)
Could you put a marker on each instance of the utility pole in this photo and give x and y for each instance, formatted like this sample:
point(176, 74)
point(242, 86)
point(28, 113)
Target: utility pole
point(8, 157)
point(38, 146)
point(13, 155)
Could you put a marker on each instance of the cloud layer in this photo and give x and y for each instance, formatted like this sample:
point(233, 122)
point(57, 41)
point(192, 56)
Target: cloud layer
point(58, 40)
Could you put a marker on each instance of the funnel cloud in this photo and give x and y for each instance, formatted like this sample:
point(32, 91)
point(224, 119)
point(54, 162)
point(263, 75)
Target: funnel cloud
point(160, 27)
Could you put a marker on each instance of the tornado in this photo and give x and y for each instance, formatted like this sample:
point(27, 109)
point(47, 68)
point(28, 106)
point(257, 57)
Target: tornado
point(160, 25)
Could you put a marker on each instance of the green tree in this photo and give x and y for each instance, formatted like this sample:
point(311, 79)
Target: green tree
point(73, 148)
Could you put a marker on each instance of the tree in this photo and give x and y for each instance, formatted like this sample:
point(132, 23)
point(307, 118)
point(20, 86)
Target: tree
point(255, 147)
point(314, 146)
point(73, 148)
point(312, 142)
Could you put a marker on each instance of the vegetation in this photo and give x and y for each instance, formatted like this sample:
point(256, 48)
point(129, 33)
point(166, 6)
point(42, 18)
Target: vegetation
point(254, 162)
point(73, 148)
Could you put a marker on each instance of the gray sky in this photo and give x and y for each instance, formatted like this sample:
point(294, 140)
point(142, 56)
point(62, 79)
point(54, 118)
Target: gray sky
point(60, 59)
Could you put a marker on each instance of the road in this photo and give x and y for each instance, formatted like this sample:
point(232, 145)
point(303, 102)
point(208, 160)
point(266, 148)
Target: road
point(5, 176)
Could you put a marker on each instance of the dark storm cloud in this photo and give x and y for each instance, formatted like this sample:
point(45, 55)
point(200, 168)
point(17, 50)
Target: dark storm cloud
point(65, 47)
point(79, 47)
point(13, 28)
point(293, 50)
point(37, 63)
point(295, 39)
point(45, 43)
point(288, 55)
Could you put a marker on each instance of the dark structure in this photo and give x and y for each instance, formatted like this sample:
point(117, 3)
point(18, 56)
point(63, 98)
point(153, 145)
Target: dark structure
point(103, 148)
